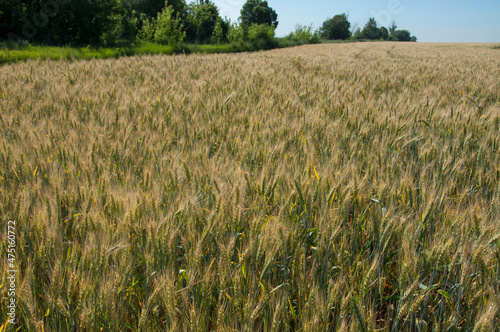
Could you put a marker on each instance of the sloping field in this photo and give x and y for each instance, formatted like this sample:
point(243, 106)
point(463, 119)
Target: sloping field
point(327, 187)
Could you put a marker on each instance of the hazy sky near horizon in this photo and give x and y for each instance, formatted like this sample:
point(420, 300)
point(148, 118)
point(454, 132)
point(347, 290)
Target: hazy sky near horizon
point(430, 21)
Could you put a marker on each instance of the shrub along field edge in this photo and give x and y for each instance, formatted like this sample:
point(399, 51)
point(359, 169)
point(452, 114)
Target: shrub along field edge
point(9, 54)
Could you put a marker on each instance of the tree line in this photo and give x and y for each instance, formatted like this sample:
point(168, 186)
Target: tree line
point(104, 22)
point(90, 22)
point(339, 28)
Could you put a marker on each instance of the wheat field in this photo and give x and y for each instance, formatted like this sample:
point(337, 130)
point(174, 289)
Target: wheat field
point(349, 187)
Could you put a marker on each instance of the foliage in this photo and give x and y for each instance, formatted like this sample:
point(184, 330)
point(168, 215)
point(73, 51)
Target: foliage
point(130, 24)
point(18, 52)
point(88, 22)
point(165, 29)
point(255, 36)
point(151, 8)
point(304, 34)
point(392, 28)
point(371, 30)
point(168, 28)
point(258, 12)
point(357, 34)
point(237, 33)
point(335, 28)
point(65, 22)
point(79, 22)
point(147, 31)
point(384, 33)
point(262, 32)
point(11, 14)
point(401, 35)
point(202, 21)
point(221, 31)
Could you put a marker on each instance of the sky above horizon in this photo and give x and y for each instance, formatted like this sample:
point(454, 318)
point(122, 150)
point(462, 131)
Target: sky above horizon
point(429, 21)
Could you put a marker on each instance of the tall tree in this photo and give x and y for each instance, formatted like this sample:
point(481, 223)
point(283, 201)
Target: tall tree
point(401, 35)
point(336, 28)
point(371, 30)
point(202, 21)
point(86, 21)
point(168, 28)
point(384, 33)
point(60, 22)
point(11, 14)
point(258, 12)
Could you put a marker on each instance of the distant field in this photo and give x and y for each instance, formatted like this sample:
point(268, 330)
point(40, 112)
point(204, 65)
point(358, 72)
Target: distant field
point(349, 187)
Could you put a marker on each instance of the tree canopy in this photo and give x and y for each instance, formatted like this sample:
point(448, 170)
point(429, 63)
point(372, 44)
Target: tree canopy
point(258, 12)
point(336, 28)
point(153, 7)
point(91, 22)
point(202, 20)
point(62, 22)
point(402, 35)
point(372, 31)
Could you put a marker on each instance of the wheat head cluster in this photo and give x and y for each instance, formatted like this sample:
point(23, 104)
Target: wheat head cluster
point(350, 187)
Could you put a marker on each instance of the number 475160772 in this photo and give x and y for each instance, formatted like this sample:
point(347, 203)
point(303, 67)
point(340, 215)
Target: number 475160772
point(11, 249)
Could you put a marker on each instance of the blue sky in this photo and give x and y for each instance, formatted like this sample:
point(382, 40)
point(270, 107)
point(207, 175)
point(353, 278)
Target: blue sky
point(430, 21)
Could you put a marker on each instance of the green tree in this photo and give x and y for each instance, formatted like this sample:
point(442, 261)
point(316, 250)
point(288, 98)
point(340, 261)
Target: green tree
point(147, 30)
point(221, 30)
point(371, 30)
point(12, 13)
point(140, 12)
point(153, 7)
point(258, 36)
point(237, 33)
point(401, 35)
point(168, 28)
point(62, 21)
point(304, 34)
point(90, 20)
point(130, 23)
point(384, 33)
point(336, 28)
point(357, 34)
point(392, 28)
point(201, 22)
point(258, 12)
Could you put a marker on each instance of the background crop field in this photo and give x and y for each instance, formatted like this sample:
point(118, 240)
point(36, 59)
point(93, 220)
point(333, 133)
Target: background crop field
point(336, 186)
